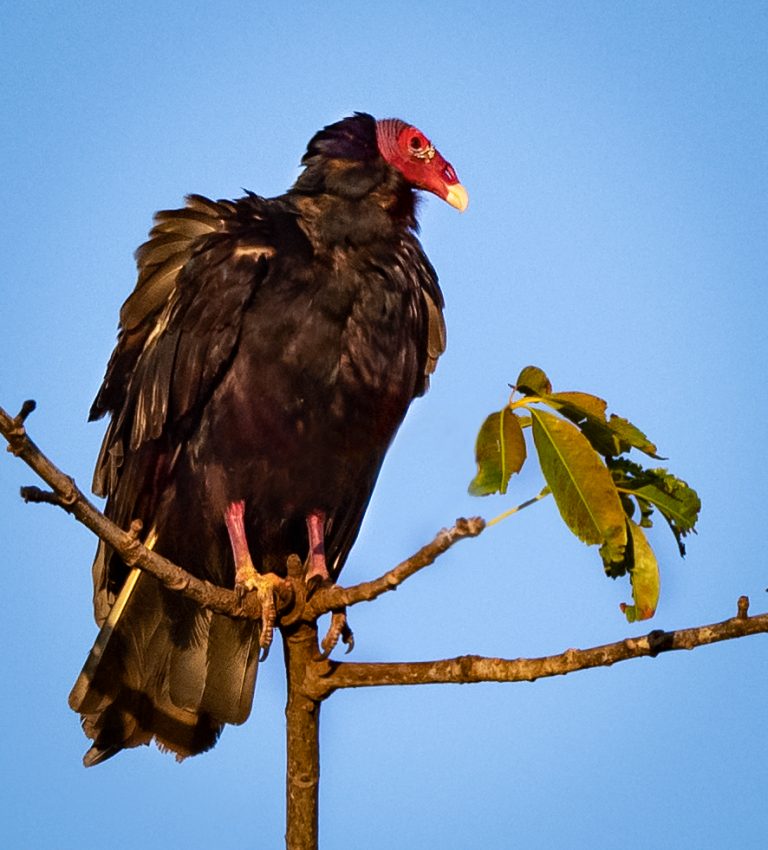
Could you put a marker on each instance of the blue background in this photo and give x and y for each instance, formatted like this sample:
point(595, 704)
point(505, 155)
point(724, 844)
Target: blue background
point(615, 155)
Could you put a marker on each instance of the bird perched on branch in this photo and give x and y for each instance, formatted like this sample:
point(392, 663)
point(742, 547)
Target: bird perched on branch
point(264, 362)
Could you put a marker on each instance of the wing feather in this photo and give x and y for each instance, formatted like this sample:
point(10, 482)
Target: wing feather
point(180, 325)
point(183, 336)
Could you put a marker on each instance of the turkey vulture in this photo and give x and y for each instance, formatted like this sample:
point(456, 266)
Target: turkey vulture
point(264, 362)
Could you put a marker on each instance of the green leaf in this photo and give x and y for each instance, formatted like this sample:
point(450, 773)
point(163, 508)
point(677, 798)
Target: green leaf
point(581, 484)
point(588, 412)
point(533, 381)
point(644, 575)
point(578, 406)
point(499, 453)
point(631, 435)
point(678, 503)
point(609, 437)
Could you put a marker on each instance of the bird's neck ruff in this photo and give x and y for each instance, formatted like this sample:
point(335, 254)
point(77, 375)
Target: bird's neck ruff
point(353, 203)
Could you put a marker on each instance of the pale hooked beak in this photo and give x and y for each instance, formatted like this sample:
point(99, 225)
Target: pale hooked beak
point(457, 196)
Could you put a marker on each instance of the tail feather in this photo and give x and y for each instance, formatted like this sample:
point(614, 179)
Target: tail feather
point(140, 682)
point(216, 671)
point(233, 661)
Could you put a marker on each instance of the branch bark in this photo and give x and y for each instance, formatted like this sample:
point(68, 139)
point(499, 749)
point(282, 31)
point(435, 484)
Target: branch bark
point(332, 598)
point(302, 725)
point(292, 604)
point(324, 680)
point(67, 495)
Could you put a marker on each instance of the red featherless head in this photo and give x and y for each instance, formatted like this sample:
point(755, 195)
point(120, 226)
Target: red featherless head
point(421, 164)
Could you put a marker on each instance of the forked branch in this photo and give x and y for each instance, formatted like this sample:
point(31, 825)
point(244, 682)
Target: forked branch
point(330, 598)
point(311, 679)
point(292, 604)
point(324, 676)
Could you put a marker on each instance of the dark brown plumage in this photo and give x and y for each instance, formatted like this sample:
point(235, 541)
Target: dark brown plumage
point(264, 363)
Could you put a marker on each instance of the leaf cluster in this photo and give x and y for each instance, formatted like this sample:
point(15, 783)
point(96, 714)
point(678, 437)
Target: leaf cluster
point(604, 498)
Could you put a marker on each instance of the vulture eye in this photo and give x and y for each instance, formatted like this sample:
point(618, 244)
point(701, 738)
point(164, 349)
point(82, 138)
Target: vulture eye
point(420, 147)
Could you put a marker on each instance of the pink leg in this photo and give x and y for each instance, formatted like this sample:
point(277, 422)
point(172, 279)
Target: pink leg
point(316, 532)
point(247, 577)
point(245, 572)
point(339, 629)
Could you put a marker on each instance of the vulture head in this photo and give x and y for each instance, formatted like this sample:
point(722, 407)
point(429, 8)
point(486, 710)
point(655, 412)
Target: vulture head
point(353, 157)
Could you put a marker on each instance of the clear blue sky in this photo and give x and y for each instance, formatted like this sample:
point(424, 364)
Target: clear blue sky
point(616, 157)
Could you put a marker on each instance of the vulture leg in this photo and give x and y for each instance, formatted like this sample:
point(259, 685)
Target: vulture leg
point(316, 531)
point(247, 577)
point(318, 571)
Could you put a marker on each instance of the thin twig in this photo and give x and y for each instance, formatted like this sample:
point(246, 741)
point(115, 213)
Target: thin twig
point(36, 496)
point(526, 504)
point(331, 598)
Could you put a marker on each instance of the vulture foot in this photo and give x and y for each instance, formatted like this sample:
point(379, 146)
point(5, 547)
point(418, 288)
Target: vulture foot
point(248, 578)
point(266, 587)
point(317, 575)
point(339, 628)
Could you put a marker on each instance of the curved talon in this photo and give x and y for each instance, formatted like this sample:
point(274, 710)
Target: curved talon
point(339, 628)
point(266, 593)
point(347, 637)
point(266, 588)
point(264, 654)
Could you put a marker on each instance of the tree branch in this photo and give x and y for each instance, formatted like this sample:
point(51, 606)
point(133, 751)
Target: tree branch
point(292, 604)
point(302, 715)
point(67, 495)
point(331, 598)
point(330, 676)
point(323, 676)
